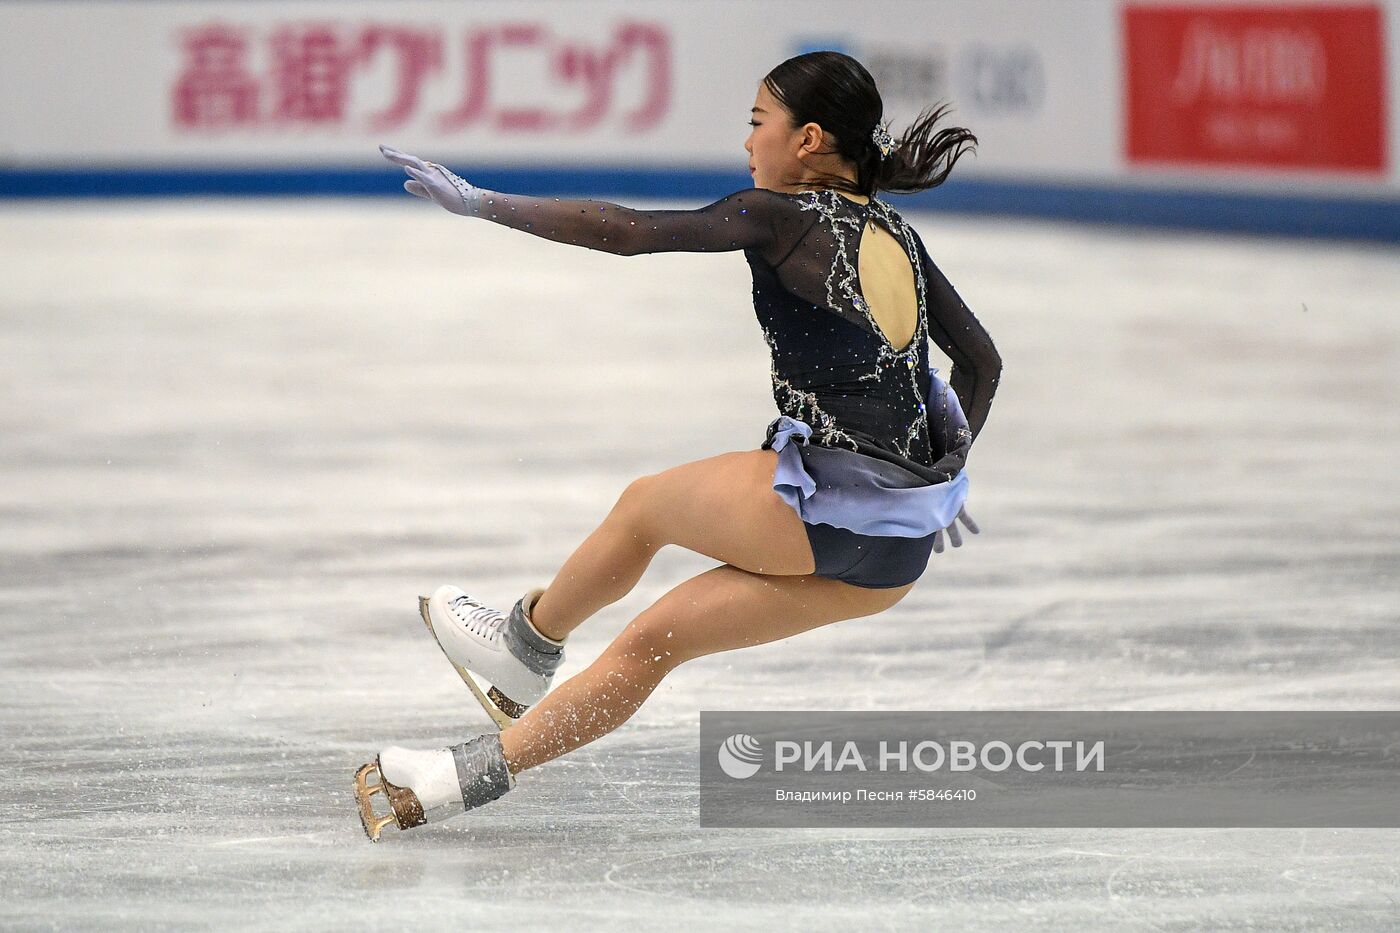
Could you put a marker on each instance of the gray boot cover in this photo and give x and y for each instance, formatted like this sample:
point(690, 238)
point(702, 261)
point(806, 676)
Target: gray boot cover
point(481, 769)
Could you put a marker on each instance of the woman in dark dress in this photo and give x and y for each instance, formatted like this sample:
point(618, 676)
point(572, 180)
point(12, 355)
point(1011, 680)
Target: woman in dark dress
point(832, 517)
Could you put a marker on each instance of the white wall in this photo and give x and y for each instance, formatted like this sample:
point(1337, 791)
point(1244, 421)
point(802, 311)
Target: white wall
point(1040, 82)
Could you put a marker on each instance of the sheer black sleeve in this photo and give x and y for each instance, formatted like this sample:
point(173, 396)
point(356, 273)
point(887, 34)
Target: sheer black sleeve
point(976, 363)
point(754, 218)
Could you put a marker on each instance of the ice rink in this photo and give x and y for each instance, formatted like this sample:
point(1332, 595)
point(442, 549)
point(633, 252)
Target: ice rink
point(240, 438)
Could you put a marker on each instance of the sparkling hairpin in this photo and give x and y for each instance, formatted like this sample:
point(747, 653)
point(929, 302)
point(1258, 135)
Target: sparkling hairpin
point(883, 139)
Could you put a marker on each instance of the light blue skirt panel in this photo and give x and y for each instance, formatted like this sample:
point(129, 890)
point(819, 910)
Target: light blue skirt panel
point(846, 489)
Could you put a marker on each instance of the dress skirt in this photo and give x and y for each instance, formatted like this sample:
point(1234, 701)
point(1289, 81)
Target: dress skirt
point(870, 522)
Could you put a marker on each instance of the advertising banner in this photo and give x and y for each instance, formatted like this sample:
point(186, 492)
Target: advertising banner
point(1248, 116)
point(656, 85)
point(1268, 86)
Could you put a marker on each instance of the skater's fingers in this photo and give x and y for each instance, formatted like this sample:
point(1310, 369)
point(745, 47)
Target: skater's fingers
point(432, 179)
point(402, 158)
point(938, 542)
point(967, 521)
point(954, 536)
point(416, 187)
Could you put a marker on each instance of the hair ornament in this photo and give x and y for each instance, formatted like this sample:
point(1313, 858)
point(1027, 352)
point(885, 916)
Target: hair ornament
point(882, 139)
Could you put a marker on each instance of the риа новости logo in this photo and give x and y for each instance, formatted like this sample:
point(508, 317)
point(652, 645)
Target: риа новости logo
point(740, 756)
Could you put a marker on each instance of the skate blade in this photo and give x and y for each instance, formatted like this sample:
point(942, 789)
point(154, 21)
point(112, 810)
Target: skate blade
point(405, 811)
point(373, 823)
point(502, 709)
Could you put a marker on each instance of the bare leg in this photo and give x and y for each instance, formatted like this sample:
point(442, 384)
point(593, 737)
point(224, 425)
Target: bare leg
point(722, 506)
point(718, 610)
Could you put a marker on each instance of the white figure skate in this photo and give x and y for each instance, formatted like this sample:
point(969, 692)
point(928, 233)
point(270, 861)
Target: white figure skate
point(506, 662)
point(429, 786)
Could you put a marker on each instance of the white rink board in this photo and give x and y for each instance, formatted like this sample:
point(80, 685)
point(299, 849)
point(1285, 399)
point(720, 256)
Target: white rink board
point(1040, 82)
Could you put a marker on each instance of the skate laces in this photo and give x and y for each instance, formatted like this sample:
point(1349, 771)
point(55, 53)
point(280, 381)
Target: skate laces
point(483, 620)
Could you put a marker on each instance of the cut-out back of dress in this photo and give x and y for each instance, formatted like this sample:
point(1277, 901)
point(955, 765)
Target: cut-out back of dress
point(885, 278)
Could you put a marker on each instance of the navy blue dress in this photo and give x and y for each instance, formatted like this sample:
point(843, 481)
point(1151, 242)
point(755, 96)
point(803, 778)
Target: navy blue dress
point(872, 445)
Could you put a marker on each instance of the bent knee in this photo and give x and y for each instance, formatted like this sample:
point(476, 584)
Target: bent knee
point(637, 493)
point(635, 510)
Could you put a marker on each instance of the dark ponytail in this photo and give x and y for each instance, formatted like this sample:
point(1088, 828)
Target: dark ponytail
point(923, 158)
point(837, 93)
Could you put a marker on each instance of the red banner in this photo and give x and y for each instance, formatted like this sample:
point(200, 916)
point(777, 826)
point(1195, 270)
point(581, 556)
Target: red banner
point(1266, 86)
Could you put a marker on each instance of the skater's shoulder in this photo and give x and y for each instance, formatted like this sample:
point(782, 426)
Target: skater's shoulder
point(765, 198)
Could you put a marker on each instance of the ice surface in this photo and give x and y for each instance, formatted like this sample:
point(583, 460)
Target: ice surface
point(240, 438)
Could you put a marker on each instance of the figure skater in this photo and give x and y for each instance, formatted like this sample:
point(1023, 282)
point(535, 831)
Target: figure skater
point(832, 517)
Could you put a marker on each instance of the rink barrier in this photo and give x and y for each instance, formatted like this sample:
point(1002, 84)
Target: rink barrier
point(1327, 216)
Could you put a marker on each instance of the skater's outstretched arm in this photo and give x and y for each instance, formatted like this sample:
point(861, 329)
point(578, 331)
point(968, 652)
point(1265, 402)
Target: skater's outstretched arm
point(958, 333)
point(755, 218)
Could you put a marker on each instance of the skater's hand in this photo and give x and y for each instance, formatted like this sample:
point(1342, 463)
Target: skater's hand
point(953, 534)
point(436, 183)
